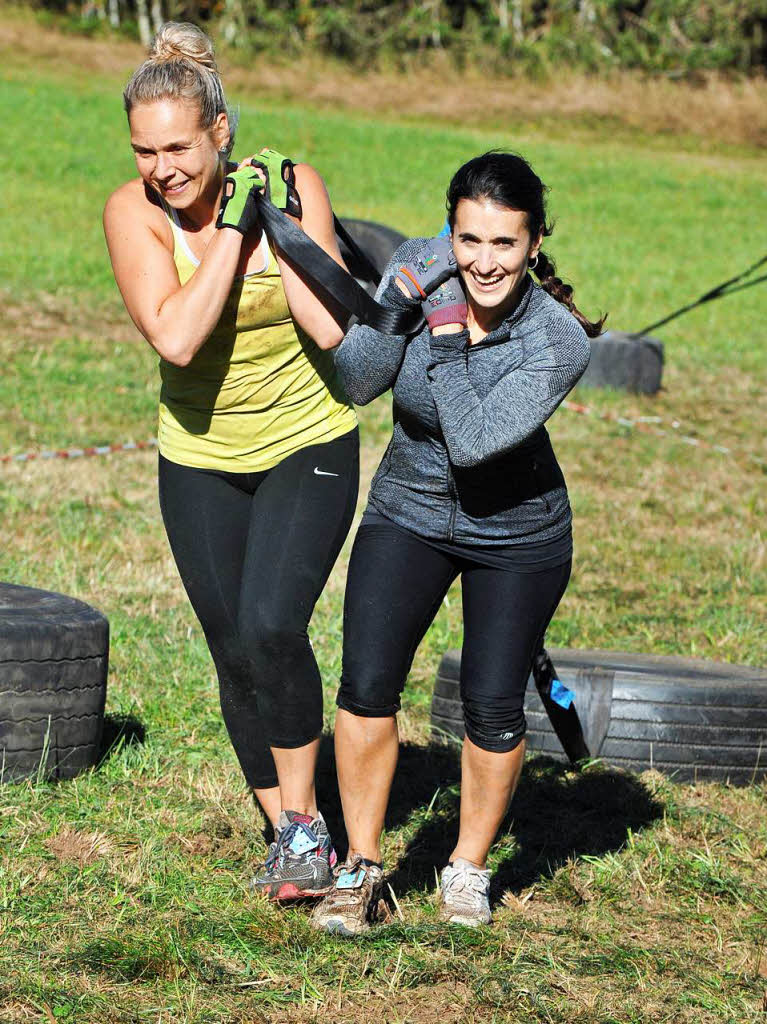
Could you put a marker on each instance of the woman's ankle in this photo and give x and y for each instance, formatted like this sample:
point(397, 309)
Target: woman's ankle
point(368, 852)
point(472, 856)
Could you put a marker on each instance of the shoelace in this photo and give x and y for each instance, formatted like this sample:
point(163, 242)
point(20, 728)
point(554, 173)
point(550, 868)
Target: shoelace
point(279, 852)
point(342, 897)
point(283, 843)
point(466, 888)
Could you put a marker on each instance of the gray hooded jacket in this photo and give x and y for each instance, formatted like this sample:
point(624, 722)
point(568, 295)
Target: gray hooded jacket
point(469, 459)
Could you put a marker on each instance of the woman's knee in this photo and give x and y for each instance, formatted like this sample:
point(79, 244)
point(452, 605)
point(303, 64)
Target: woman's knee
point(495, 726)
point(233, 666)
point(270, 637)
point(369, 692)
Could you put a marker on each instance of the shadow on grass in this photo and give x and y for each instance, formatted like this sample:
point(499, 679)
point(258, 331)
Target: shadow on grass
point(557, 814)
point(421, 771)
point(119, 731)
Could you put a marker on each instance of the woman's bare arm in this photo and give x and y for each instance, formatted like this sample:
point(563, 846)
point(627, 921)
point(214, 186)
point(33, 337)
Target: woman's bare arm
point(176, 320)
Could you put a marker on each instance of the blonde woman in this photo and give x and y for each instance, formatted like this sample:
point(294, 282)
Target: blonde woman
point(258, 464)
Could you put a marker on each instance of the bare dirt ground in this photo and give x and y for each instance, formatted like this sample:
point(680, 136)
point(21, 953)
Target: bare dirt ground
point(712, 109)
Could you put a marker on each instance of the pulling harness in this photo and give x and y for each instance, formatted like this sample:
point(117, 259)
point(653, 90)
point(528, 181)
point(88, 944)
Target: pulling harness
point(321, 271)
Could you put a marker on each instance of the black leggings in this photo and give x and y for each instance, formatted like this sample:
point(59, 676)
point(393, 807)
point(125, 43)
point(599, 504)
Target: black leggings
point(254, 551)
point(395, 586)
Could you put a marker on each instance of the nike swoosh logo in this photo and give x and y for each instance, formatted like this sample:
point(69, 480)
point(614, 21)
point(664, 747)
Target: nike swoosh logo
point(321, 472)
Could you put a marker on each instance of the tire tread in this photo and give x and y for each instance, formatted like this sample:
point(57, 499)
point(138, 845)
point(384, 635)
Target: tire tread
point(674, 714)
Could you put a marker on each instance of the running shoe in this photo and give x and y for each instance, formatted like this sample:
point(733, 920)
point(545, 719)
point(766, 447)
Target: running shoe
point(300, 861)
point(351, 905)
point(465, 893)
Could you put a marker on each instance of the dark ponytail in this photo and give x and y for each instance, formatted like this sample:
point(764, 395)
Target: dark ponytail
point(509, 181)
point(545, 271)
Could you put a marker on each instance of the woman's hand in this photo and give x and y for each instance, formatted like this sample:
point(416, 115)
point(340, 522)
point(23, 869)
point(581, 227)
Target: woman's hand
point(445, 308)
point(424, 273)
point(238, 206)
point(278, 175)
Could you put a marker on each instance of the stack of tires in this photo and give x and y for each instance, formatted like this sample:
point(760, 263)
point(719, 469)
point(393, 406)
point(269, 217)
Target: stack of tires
point(54, 653)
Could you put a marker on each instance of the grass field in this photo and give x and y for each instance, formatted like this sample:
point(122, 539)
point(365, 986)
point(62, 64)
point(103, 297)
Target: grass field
point(620, 899)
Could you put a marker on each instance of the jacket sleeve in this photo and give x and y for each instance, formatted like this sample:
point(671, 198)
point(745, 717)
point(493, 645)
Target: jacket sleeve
point(369, 360)
point(477, 429)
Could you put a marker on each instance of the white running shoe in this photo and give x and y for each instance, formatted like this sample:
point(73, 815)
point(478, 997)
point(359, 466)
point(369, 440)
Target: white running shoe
point(465, 892)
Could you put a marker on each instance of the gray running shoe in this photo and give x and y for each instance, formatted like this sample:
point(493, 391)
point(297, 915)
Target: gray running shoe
point(465, 891)
point(300, 860)
point(352, 904)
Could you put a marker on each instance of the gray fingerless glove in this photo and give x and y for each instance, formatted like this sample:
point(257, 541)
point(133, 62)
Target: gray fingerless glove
point(392, 296)
point(429, 268)
point(446, 304)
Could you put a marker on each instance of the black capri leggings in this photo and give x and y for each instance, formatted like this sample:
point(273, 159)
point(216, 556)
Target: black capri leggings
point(254, 551)
point(395, 586)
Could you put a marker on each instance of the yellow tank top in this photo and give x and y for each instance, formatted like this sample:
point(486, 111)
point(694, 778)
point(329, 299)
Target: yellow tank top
point(258, 389)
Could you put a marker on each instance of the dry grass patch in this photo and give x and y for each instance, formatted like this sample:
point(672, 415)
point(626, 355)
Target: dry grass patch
point(714, 109)
point(37, 325)
point(79, 847)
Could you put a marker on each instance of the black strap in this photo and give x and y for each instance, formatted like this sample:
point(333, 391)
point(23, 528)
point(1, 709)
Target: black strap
point(564, 721)
point(326, 276)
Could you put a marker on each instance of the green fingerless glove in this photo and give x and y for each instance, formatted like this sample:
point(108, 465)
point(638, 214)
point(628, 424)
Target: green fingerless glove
point(280, 181)
point(238, 206)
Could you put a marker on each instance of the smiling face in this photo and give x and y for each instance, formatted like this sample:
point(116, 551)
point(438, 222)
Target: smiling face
point(175, 155)
point(492, 245)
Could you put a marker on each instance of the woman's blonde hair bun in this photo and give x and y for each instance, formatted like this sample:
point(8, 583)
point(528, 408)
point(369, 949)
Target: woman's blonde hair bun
point(180, 39)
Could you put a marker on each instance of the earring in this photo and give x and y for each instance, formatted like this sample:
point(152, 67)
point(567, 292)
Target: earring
point(533, 263)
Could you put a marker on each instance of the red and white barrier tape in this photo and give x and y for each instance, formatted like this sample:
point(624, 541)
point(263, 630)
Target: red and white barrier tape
point(76, 453)
point(646, 424)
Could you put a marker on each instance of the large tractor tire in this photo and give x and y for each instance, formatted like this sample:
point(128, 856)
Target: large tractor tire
point(377, 241)
point(54, 653)
point(688, 718)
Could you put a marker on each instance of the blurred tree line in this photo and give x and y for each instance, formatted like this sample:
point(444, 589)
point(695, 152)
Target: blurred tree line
point(675, 37)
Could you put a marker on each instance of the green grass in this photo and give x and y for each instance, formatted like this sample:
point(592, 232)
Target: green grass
point(123, 894)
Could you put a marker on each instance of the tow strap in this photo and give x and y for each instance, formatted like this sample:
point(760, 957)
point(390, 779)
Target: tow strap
point(560, 707)
point(327, 277)
point(728, 287)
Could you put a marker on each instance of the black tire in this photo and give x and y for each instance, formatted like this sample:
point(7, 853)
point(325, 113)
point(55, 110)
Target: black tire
point(377, 241)
point(625, 361)
point(685, 717)
point(54, 653)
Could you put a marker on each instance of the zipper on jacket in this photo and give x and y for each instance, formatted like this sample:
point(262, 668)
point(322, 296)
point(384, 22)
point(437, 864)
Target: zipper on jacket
point(453, 502)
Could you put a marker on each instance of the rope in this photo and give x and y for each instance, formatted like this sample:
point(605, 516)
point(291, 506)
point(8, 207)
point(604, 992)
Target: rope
point(725, 288)
point(643, 424)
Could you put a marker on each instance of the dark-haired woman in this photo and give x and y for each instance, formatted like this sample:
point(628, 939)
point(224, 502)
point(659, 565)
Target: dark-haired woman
point(469, 485)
